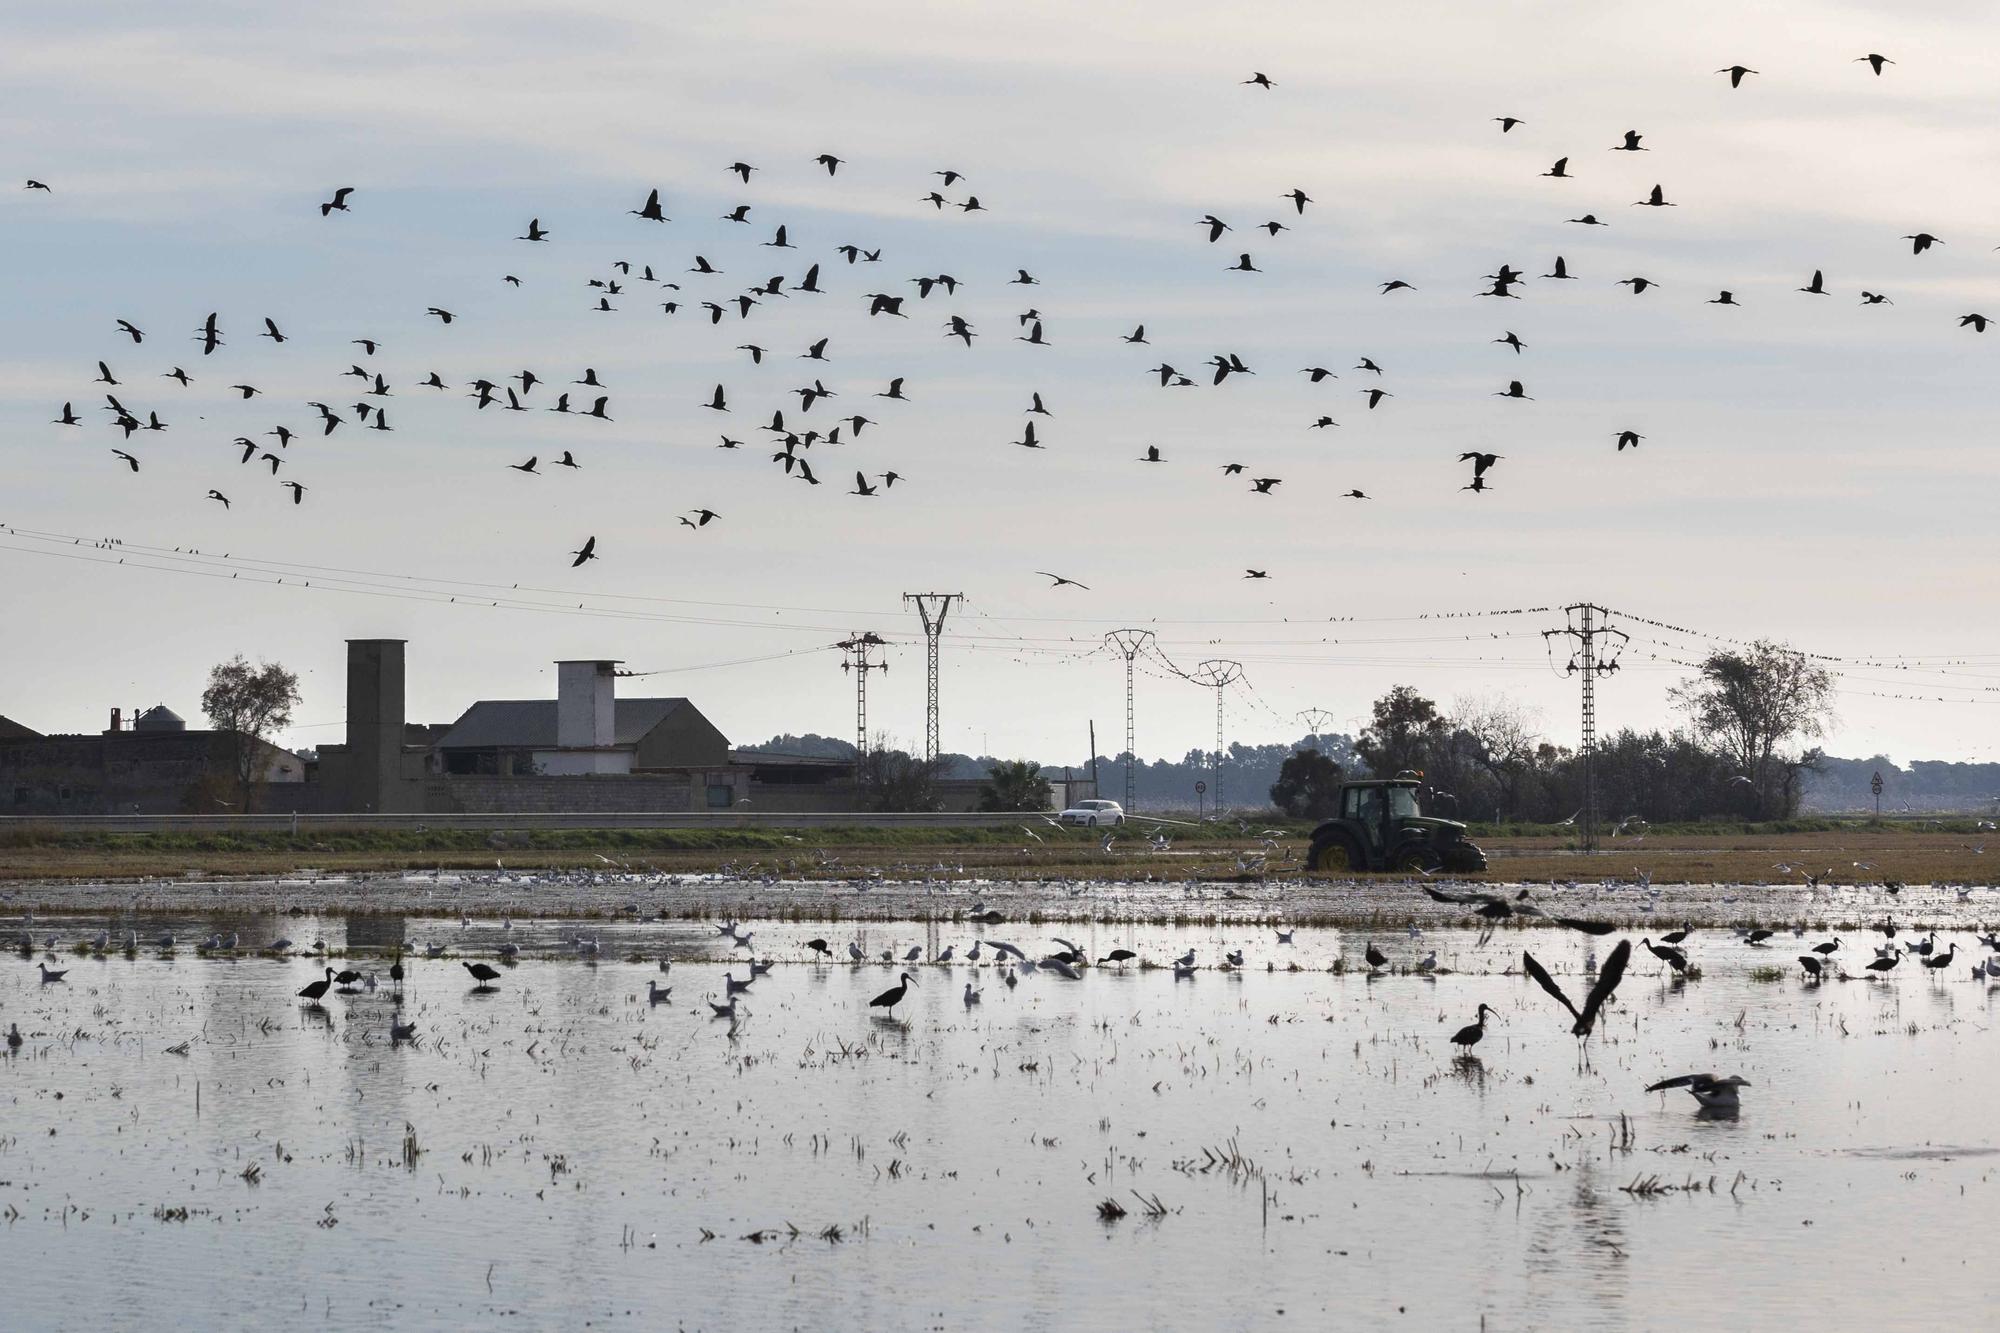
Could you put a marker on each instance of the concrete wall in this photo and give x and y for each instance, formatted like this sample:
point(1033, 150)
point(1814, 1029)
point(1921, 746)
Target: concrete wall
point(144, 772)
point(374, 725)
point(483, 795)
point(585, 705)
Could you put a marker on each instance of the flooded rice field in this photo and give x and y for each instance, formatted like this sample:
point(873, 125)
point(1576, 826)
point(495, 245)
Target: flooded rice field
point(1289, 1142)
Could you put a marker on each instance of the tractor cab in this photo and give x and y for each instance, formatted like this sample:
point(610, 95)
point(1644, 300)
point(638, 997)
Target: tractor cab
point(1382, 826)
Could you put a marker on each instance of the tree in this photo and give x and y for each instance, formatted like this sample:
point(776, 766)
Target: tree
point(248, 705)
point(1308, 786)
point(1504, 738)
point(1015, 784)
point(894, 780)
point(1750, 705)
point(1405, 730)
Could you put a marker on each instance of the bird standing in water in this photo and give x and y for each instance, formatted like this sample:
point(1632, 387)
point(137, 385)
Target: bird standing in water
point(892, 997)
point(1469, 1036)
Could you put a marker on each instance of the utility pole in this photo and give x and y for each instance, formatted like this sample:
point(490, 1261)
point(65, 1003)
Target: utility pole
point(1130, 642)
point(1586, 629)
point(1217, 672)
point(856, 647)
point(933, 627)
point(1316, 720)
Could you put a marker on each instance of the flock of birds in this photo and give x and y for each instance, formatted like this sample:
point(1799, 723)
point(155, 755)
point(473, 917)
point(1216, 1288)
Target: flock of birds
point(701, 289)
point(1716, 1094)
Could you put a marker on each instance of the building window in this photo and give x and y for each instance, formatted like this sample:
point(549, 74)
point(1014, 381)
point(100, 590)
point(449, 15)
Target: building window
point(720, 795)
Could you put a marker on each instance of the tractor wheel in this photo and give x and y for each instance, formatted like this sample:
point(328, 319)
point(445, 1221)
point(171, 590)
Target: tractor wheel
point(1334, 856)
point(1416, 858)
point(1465, 859)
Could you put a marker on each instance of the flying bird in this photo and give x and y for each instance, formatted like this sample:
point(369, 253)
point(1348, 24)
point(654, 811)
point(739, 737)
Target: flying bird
point(1875, 62)
point(1736, 73)
point(1261, 80)
point(1508, 122)
point(1608, 978)
point(337, 204)
point(1060, 581)
point(1630, 437)
point(587, 552)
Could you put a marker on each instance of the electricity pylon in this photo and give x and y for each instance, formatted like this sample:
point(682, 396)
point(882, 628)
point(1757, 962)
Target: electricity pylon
point(1586, 630)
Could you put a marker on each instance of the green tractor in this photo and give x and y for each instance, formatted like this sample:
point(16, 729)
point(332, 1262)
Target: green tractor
point(1382, 827)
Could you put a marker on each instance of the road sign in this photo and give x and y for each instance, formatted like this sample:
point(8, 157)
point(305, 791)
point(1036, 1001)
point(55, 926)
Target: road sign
point(1200, 788)
point(1875, 785)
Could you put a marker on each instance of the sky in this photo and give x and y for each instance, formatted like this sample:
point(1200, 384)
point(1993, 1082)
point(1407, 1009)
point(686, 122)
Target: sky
point(1812, 470)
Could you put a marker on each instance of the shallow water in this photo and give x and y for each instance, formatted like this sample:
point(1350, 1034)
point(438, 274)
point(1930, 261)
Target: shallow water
point(574, 1145)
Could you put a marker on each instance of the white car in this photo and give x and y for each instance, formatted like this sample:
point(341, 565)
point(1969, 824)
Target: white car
point(1092, 813)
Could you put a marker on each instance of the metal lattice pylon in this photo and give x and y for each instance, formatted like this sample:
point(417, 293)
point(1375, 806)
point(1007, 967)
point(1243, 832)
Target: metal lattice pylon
point(1585, 628)
point(1130, 642)
point(933, 628)
point(857, 646)
point(1219, 673)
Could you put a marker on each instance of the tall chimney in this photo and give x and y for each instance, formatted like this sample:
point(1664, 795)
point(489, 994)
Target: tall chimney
point(375, 726)
point(586, 704)
point(114, 719)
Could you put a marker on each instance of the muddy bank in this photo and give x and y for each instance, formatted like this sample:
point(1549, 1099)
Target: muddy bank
point(1297, 900)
